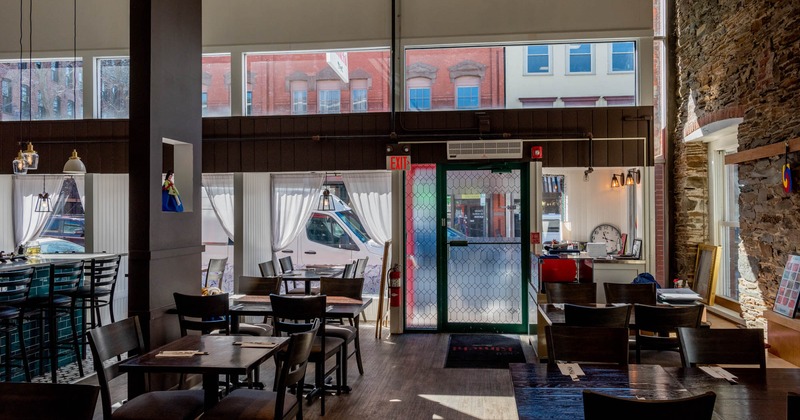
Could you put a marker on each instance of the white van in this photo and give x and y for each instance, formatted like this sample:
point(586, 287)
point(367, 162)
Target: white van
point(333, 237)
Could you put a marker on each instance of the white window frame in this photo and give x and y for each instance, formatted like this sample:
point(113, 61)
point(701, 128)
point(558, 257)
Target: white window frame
point(525, 55)
point(611, 58)
point(568, 58)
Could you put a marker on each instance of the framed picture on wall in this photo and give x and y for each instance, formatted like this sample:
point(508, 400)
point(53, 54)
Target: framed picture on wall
point(787, 297)
point(623, 244)
point(636, 250)
point(705, 272)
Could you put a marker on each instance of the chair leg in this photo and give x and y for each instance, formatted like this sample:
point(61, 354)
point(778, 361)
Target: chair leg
point(358, 355)
point(52, 345)
point(23, 351)
point(75, 341)
point(8, 351)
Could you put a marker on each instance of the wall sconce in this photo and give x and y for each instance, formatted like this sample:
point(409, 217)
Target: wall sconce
point(615, 182)
point(325, 202)
point(634, 175)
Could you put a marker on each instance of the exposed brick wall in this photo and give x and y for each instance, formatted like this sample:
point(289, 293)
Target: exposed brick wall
point(740, 58)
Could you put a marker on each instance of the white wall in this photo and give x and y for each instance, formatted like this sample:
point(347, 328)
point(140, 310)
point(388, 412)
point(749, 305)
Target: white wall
point(6, 215)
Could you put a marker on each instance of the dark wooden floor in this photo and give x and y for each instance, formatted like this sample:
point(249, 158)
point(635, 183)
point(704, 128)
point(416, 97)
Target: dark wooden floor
point(404, 378)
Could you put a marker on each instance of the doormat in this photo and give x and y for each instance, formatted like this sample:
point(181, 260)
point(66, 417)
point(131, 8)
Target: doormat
point(483, 351)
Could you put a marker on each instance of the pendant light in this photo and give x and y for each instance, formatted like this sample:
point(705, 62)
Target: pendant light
point(325, 202)
point(43, 202)
point(31, 157)
point(19, 163)
point(74, 164)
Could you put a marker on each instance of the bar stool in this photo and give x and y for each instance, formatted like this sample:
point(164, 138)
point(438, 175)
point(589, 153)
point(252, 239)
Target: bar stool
point(57, 304)
point(97, 292)
point(14, 287)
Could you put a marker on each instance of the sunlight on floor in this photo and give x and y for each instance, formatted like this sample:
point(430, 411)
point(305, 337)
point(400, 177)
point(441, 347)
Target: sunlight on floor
point(473, 406)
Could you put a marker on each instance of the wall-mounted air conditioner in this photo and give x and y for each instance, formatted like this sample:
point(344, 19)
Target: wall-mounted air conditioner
point(480, 149)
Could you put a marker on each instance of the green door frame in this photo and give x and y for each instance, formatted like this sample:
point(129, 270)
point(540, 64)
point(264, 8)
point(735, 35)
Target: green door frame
point(441, 246)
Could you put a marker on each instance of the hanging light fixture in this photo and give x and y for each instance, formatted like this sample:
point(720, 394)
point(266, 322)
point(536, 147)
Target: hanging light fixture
point(31, 157)
point(74, 164)
point(325, 201)
point(43, 203)
point(19, 165)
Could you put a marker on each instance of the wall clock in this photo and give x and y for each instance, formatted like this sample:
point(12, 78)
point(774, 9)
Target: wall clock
point(609, 234)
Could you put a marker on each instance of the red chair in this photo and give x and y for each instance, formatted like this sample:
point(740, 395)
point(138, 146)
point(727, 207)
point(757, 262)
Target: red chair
point(558, 270)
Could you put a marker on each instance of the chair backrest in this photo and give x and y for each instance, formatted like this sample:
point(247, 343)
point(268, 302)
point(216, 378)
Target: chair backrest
point(665, 319)
point(587, 316)
point(202, 313)
point(23, 400)
point(286, 264)
point(102, 272)
point(293, 367)
point(14, 286)
point(336, 286)
point(587, 344)
point(644, 293)
point(361, 266)
point(793, 406)
point(601, 406)
point(287, 310)
point(267, 269)
point(263, 286)
point(730, 346)
point(349, 271)
point(109, 342)
point(215, 272)
point(64, 278)
point(577, 293)
point(558, 270)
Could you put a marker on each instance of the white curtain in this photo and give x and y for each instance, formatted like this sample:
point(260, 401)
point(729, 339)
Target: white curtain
point(371, 199)
point(29, 224)
point(219, 189)
point(294, 196)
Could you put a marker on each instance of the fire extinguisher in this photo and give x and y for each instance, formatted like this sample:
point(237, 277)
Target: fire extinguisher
point(394, 286)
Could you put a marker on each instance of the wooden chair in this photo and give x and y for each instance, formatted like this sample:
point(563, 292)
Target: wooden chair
point(577, 293)
point(125, 337)
point(205, 314)
point(267, 269)
point(43, 401)
point(587, 344)
point(361, 266)
point(286, 267)
point(659, 324)
point(644, 294)
point(14, 288)
point(304, 309)
point(351, 288)
point(730, 346)
point(261, 286)
point(215, 272)
point(349, 271)
point(597, 406)
point(588, 316)
point(257, 404)
point(793, 406)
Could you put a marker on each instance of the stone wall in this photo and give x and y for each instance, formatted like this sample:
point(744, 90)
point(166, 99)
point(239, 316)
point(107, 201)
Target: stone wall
point(741, 55)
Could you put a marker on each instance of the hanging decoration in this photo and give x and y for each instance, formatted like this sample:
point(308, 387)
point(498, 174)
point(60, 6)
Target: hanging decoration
point(787, 172)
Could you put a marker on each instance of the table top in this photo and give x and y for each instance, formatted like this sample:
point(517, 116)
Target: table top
point(336, 306)
point(553, 313)
point(312, 274)
point(223, 356)
point(542, 391)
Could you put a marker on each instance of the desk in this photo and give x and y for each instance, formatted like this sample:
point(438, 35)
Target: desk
point(337, 307)
point(307, 276)
point(542, 392)
point(758, 394)
point(223, 358)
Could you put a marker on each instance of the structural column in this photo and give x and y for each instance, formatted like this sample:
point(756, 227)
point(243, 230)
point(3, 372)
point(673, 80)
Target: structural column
point(165, 133)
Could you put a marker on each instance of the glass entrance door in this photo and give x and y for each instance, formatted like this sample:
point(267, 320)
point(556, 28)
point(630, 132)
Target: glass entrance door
point(483, 214)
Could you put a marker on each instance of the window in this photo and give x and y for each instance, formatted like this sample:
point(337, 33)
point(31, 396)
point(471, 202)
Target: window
point(54, 72)
point(299, 102)
point(249, 103)
point(329, 101)
point(622, 57)
point(216, 84)
point(580, 58)
point(70, 109)
point(113, 84)
point(359, 99)
point(729, 234)
point(57, 107)
point(25, 101)
point(204, 101)
point(69, 75)
point(419, 99)
point(467, 97)
point(537, 59)
point(323, 229)
point(7, 96)
point(41, 111)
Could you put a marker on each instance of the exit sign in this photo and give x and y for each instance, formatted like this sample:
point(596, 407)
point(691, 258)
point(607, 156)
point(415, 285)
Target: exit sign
point(398, 163)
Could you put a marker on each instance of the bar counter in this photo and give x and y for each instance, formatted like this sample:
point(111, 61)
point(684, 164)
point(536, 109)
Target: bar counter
point(44, 260)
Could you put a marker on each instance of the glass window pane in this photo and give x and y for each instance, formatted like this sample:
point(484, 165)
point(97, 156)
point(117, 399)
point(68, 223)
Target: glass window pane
point(113, 87)
point(359, 99)
point(538, 59)
point(419, 99)
point(580, 58)
point(467, 97)
point(622, 56)
point(217, 85)
point(46, 80)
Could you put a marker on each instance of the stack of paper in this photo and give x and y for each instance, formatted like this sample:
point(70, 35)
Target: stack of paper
point(677, 295)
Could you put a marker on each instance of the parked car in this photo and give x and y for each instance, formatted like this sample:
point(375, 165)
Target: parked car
point(333, 237)
point(59, 246)
point(69, 228)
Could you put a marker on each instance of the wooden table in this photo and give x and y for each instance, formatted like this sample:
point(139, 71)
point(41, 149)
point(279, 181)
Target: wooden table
point(759, 394)
point(309, 275)
point(542, 392)
point(223, 358)
point(337, 307)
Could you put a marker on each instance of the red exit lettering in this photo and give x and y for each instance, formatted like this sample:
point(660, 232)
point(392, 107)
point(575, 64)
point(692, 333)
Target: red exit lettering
point(399, 163)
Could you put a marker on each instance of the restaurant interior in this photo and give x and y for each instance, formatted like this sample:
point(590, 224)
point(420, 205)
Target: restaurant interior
point(469, 210)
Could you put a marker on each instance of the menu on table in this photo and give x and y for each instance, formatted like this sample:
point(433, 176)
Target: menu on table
point(786, 299)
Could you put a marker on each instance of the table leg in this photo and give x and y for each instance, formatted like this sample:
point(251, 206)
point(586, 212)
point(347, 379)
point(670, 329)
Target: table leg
point(136, 384)
point(211, 389)
point(234, 324)
point(307, 286)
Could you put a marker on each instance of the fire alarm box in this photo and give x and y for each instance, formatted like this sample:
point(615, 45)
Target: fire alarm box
point(536, 238)
point(536, 152)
